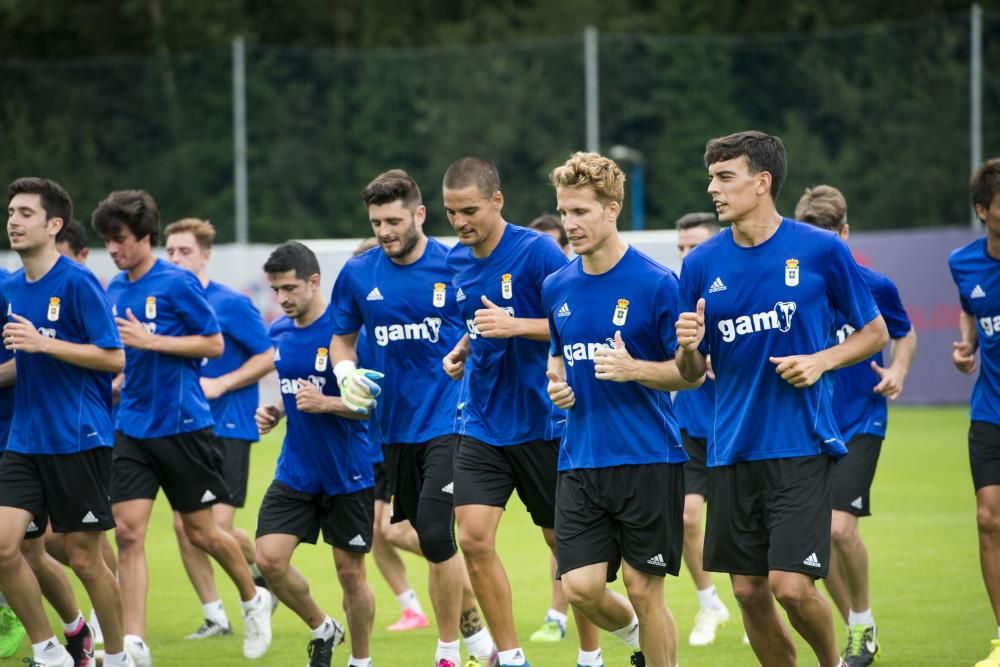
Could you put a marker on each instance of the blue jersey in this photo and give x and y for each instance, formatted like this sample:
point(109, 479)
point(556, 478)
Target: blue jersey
point(61, 408)
point(322, 453)
point(614, 423)
point(776, 299)
point(695, 409)
point(162, 394)
point(245, 336)
point(6, 393)
point(859, 410)
point(977, 276)
point(413, 321)
point(506, 403)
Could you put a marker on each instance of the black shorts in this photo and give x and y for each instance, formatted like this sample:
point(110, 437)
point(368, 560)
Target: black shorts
point(421, 472)
point(487, 475)
point(235, 455)
point(382, 491)
point(635, 512)
point(346, 520)
point(187, 465)
point(984, 453)
point(70, 490)
point(770, 515)
point(695, 472)
point(853, 475)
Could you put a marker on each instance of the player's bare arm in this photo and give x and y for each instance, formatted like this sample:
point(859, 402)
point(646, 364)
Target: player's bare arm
point(963, 353)
point(804, 370)
point(495, 322)
point(22, 336)
point(893, 376)
point(618, 365)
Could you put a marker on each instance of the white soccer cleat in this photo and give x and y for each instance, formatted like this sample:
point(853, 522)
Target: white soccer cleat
point(257, 626)
point(706, 624)
point(138, 651)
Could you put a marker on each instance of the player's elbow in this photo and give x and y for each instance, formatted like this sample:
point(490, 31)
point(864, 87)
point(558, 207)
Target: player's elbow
point(214, 346)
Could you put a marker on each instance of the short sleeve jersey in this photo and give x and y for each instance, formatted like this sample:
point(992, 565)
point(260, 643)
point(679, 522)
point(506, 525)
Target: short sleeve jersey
point(162, 394)
point(245, 336)
point(977, 276)
point(776, 299)
point(6, 393)
point(61, 408)
point(322, 453)
point(412, 319)
point(859, 410)
point(507, 403)
point(614, 423)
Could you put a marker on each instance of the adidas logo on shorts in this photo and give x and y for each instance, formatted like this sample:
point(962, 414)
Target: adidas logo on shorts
point(207, 497)
point(448, 488)
point(357, 541)
point(89, 518)
point(657, 560)
point(812, 561)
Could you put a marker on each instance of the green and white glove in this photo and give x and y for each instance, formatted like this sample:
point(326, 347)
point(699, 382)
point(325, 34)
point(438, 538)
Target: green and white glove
point(358, 388)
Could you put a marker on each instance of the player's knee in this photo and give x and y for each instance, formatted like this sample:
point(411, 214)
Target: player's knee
point(435, 533)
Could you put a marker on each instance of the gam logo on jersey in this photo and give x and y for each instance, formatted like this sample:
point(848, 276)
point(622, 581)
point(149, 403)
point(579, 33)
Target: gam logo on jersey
point(574, 352)
point(429, 330)
point(780, 318)
point(990, 325)
point(291, 386)
point(474, 330)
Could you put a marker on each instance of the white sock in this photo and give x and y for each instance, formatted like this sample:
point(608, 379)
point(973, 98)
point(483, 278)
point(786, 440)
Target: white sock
point(49, 650)
point(73, 627)
point(359, 662)
point(215, 612)
point(630, 634)
point(709, 599)
point(860, 618)
point(324, 630)
point(408, 600)
point(554, 615)
point(448, 651)
point(480, 644)
point(252, 604)
point(515, 656)
point(589, 658)
point(116, 659)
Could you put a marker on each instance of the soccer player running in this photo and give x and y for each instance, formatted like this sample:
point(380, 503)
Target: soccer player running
point(620, 496)
point(510, 430)
point(324, 474)
point(759, 298)
point(229, 383)
point(975, 268)
point(164, 420)
point(57, 464)
point(860, 395)
point(695, 415)
point(400, 294)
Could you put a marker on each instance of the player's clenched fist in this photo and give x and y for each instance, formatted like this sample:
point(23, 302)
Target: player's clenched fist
point(691, 327)
point(267, 417)
point(560, 392)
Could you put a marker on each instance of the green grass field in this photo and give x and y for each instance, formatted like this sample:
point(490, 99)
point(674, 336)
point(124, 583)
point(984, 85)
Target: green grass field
point(927, 593)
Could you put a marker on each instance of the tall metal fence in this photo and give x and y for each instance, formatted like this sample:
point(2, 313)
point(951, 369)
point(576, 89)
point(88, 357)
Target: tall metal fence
point(883, 112)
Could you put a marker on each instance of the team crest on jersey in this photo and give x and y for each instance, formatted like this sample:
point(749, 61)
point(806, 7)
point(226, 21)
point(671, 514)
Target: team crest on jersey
point(621, 313)
point(791, 272)
point(506, 286)
point(322, 359)
point(150, 307)
point(439, 294)
point(53, 314)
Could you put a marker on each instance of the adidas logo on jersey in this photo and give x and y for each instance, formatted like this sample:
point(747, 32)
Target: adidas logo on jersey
point(717, 286)
point(812, 561)
point(780, 318)
point(858, 503)
point(977, 293)
point(207, 497)
point(448, 488)
point(89, 518)
point(357, 541)
point(564, 311)
point(374, 295)
point(657, 560)
point(428, 330)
